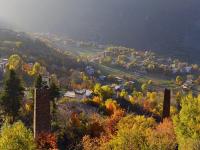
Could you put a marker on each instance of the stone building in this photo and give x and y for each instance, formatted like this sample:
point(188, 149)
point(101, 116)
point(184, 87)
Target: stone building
point(42, 116)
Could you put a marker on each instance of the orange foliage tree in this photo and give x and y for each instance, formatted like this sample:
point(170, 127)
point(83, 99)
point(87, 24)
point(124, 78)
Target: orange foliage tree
point(163, 136)
point(46, 141)
point(111, 106)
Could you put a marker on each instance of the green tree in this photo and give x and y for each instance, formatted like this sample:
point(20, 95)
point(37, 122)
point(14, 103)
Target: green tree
point(12, 95)
point(16, 137)
point(187, 123)
point(54, 91)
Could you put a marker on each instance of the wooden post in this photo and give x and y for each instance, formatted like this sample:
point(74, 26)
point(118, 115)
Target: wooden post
point(42, 117)
point(166, 104)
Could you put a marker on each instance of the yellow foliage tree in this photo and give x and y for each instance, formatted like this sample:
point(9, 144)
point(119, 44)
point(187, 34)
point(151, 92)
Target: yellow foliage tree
point(36, 69)
point(14, 62)
point(111, 105)
point(179, 80)
point(16, 137)
point(97, 100)
point(151, 96)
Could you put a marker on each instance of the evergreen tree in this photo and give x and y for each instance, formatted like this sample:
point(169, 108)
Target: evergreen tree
point(12, 95)
point(38, 82)
point(54, 93)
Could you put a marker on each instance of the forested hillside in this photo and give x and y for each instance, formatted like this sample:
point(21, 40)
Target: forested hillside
point(33, 50)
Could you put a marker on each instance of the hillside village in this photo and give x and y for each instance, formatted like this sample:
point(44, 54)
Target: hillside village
point(144, 62)
point(131, 59)
point(139, 63)
point(83, 102)
point(99, 75)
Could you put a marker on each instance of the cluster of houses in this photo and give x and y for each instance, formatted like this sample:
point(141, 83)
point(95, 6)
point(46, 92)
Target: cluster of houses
point(143, 61)
point(86, 93)
point(188, 84)
point(78, 94)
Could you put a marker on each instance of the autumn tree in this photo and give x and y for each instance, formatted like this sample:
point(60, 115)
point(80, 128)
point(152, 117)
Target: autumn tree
point(46, 141)
point(152, 96)
point(123, 94)
point(97, 89)
point(36, 70)
point(111, 106)
point(144, 87)
point(16, 137)
point(162, 137)
point(179, 80)
point(14, 62)
point(91, 143)
point(107, 91)
point(132, 133)
point(187, 123)
point(12, 95)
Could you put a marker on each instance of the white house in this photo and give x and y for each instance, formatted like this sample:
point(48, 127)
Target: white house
point(70, 94)
point(188, 69)
point(88, 93)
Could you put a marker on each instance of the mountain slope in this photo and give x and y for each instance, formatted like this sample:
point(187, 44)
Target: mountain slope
point(33, 50)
